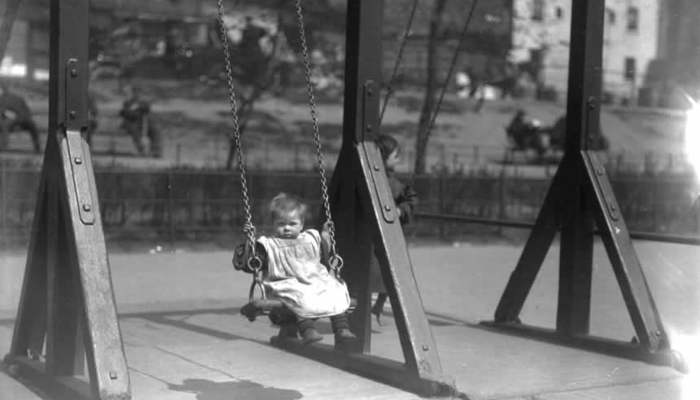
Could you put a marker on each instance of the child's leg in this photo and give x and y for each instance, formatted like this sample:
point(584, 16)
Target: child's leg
point(307, 327)
point(288, 331)
point(341, 327)
point(378, 306)
point(287, 322)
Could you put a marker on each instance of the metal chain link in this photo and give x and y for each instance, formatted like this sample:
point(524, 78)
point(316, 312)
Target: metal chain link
point(235, 136)
point(317, 139)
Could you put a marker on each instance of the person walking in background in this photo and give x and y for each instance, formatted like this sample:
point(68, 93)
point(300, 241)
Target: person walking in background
point(476, 88)
point(405, 198)
point(92, 118)
point(15, 115)
point(138, 122)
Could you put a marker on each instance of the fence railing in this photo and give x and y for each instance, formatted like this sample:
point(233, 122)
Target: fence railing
point(174, 204)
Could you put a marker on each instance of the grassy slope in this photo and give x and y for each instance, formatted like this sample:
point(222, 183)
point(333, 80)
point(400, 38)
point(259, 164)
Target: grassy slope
point(195, 122)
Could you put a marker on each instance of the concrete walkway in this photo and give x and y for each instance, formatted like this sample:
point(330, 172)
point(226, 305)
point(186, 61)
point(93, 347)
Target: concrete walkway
point(184, 338)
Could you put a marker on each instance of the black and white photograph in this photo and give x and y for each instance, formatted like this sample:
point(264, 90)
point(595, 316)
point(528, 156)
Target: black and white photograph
point(349, 199)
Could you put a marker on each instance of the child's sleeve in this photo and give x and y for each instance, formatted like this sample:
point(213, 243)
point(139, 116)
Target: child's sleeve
point(243, 252)
point(406, 201)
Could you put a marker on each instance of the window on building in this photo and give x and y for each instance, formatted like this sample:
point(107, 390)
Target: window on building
point(559, 12)
point(630, 69)
point(633, 19)
point(538, 10)
point(611, 16)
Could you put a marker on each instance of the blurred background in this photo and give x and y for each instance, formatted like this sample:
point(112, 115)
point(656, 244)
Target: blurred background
point(161, 120)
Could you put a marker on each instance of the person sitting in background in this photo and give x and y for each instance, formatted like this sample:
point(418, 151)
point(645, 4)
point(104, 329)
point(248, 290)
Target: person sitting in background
point(16, 115)
point(516, 129)
point(92, 118)
point(138, 123)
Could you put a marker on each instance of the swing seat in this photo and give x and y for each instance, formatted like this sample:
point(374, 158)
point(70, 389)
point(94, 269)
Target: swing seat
point(259, 307)
point(274, 308)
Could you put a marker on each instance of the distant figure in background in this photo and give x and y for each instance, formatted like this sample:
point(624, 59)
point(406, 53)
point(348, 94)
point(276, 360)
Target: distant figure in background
point(92, 118)
point(524, 133)
point(508, 82)
point(138, 123)
point(476, 89)
point(463, 84)
point(557, 134)
point(15, 115)
point(517, 127)
point(253, 57)
point(405, 198)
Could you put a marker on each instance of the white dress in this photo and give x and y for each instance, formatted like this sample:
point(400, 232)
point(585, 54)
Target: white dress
point(296, 276)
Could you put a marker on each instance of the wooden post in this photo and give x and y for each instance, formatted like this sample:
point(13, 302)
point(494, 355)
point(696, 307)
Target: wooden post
point(67, 305)
point(580, 197)
point(367, 224)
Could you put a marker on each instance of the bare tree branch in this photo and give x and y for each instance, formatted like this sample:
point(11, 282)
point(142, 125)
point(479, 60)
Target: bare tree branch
point(429, 100)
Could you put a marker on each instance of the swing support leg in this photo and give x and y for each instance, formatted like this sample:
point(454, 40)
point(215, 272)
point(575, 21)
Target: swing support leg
point(67, 317)
point(580, 198)
point(366, 219)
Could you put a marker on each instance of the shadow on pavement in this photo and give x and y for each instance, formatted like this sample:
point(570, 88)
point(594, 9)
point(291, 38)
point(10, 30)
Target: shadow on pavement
point(241, 389)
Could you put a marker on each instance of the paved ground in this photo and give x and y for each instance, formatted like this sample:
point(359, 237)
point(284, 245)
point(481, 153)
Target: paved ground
point(185, 340)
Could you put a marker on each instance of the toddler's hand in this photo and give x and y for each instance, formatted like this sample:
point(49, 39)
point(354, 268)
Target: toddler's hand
point(241, 258)
point(328, 226)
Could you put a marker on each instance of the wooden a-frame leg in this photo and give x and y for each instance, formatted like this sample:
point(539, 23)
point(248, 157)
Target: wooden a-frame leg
point(628, 271)
point(67, 300)
point(523, 276)
point(365, 217)
point(594, 199)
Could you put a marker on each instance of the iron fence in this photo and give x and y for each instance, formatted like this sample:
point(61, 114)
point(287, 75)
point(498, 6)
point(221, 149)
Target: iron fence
point(174, 204)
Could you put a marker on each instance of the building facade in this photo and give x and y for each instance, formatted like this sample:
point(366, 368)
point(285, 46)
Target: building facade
point(541, 35)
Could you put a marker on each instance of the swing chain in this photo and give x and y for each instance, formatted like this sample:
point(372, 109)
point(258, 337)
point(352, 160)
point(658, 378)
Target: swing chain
point(235, 137)
point(329, 226)
point(255, 264)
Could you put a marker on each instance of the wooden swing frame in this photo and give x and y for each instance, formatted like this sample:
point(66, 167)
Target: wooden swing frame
point(67, 301)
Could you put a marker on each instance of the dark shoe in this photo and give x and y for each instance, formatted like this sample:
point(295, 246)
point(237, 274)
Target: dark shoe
point(250, 311)
point(288, 332)
point(310, 335)
point(344, 335)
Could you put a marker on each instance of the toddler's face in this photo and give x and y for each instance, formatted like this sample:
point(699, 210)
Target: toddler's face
point(393, 159)
point(288, 226)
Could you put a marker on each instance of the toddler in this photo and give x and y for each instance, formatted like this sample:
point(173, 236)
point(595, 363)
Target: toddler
point(294, 274)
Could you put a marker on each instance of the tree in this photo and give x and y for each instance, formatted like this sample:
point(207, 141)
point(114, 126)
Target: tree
point(260, 46)
point(431, 86)
point(11, 8)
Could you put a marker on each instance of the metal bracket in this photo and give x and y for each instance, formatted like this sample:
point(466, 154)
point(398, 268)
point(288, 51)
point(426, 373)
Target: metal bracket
point(611, 206)
point(376, 173)
point(81, 180)
point(370, 115)
point(75, 101)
